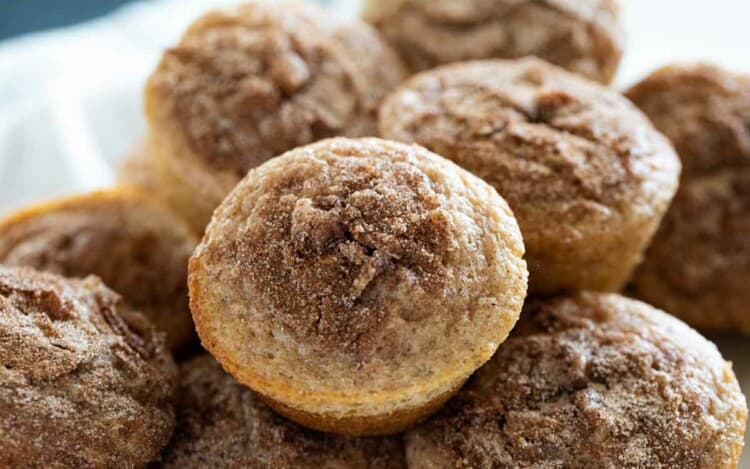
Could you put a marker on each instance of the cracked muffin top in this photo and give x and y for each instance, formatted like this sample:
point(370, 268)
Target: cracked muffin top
point(357, 266)
point(583, 36)
point(79, 386)
point(248, 83)
point(703, 109)
point(592, 380)
point(135, 246)
point(221, 423)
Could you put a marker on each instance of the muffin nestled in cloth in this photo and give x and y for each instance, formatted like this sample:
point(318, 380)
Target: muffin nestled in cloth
point(594, 380)
point(248, 83)
point(357, 283)
point(222, 424)
point(583, 36)
point(586, 174)
point(698, 266)
point(79, 387)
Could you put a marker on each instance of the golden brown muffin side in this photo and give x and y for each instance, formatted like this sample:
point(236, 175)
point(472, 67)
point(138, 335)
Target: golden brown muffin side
point(585, 37)
point(703, 109)
point(370, 277)
point(221, 423)
point(137, 247)
point(79, 387)
point(592, 380)
point(586, 174)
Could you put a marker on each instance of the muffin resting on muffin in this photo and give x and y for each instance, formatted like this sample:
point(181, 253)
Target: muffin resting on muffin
point(585, 173)
point(698, 266)
point(357, 283)
point(251, 82)
point(583, 36)
point(221, 423)
point(138, 248)
point(593, 380)
point(79, 387)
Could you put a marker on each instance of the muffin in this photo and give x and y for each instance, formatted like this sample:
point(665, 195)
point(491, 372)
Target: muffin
point(585, 173)
point(706, 113)
point(136, 247)
point(592, 380)
point(585, 37)
point(79, 387)
point(223, 424)
point(356, 284)
point(248, 83)
point(703, 109)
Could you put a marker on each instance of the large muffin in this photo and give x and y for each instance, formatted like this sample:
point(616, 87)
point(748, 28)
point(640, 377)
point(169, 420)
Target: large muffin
point(583, 36)
point(586, 174)
point(698, 266)
point(79, 387)
point(223, 424)
point(357, 283)
point(248, 83)
point(592, 381)
point(137, 247)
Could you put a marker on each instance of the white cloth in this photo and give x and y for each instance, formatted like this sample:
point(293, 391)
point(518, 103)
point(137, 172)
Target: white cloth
point(70, 99)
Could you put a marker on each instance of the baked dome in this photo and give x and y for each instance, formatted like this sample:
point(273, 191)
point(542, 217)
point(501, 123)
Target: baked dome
point(79, 387)
point(586, 174)
point(593, 380)
point(357, 283)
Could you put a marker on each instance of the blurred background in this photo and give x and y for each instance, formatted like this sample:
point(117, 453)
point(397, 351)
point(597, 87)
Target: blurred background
point(71, 74)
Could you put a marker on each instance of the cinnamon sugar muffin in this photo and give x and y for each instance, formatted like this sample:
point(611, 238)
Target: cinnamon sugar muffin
point(585, 173)
point(583, 36)
point(137, 247)
point(357, 283)
point(78, 386)
point(706, 112)
point(248, 83)
point(222, 424)
point(594, 381)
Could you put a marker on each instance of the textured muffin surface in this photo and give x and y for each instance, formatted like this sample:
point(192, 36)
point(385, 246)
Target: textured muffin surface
point(585, 173)
point(251, 82)
point(370, 272)
point(221, 423)
point(595, 381)
point(79, 387)
point(585, 37)
point(703, 110)
point(706, 112)
point(137, 248)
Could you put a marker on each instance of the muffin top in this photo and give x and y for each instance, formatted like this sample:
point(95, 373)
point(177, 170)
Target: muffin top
point(704, 110)
point(248, 83)
point(571, 157)
point(357, 265)
point(221, 423)
point(593, 380)
point(135, 246)
point(79, 387)
point(583, 36)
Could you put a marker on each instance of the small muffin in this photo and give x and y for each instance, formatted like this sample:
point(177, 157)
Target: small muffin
point(138, 169)
point(592, 381)
point(703, 110)
point(248, 83)
point(698, 266)
point(583, 36)
point(136, 247)
point(79, 387)
point(585, 173)
point(356, 284)
point(223, 424)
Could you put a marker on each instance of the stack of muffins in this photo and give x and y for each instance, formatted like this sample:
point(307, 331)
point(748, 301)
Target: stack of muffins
point(413, 235)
